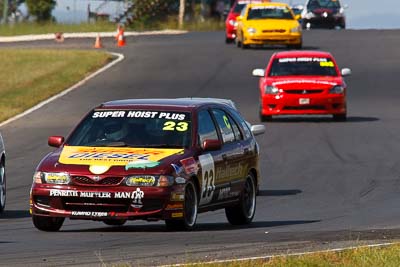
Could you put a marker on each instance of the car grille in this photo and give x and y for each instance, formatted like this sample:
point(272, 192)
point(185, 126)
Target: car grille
point(108, 205)
point(274, 31)
point(107, 181)
point(305, 107)
point(303, 92)
point(96, 204)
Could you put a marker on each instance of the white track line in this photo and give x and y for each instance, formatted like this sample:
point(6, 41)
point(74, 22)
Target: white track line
point(50, 36)
point(120, 57)
point(282, 255)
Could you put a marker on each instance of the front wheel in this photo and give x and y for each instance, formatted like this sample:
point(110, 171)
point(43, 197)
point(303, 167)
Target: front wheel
point(243, 212)
point(48, 224)
point(2, 186)
point(189, 210)
point(340, 117)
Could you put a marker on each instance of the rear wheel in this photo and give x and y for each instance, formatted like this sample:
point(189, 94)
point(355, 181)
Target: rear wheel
point(2, 186)
point(189, 210)
point(48, 224)
point(244, 211)
point(118, 222)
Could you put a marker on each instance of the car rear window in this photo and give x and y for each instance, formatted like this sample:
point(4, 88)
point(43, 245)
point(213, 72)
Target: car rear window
point(312, 66)
point(133, 128)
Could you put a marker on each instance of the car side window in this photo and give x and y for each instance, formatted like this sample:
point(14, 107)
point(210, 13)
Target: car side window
point(235, 128)
point(244, 124)
point(206, 127)
point(224, 125)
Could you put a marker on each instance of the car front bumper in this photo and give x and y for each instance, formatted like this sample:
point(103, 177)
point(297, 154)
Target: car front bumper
point(130, 203)
point(287, 104)
point(273, 39)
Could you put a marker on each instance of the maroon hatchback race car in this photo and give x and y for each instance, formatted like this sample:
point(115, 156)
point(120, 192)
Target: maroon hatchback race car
point(150, 159)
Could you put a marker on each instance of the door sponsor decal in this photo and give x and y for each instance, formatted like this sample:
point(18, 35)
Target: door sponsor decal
point(208, 178)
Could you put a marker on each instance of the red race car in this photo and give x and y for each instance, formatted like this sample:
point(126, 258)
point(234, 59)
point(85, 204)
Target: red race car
point(150, 159)
point(302, 83)
point(230, 22)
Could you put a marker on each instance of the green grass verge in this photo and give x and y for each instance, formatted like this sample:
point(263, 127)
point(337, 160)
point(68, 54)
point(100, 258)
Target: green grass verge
point(378, 257)
point(30, 76)
point(43, 28)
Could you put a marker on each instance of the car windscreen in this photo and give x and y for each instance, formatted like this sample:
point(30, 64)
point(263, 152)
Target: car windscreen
point(312, 66)
point(316, 4)
point(269, 12)
point(133, 128)
point(238, 7)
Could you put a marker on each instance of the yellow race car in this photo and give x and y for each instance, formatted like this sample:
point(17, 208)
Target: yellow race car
point(268, 24)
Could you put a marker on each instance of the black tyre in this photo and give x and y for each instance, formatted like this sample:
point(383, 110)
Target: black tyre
point(244, 46)
point(340, 117)
point(238, 43)
point(119, 222)
point(244, 211)
point(48, 224)
point(297, 46)
point(265, 118)
point(189, 210)
point(228, 40)
point(2, 186)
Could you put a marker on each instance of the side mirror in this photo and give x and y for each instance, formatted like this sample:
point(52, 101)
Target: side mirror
point(55, 141)
point(258, 72)
point(239, 18)
point(257, 129)
point(211, 145)
point(297, 17)
point(346, 72)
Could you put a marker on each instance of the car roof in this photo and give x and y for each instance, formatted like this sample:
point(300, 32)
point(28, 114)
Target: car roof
point(170, 103)
point(302, 53)
point(267, 4)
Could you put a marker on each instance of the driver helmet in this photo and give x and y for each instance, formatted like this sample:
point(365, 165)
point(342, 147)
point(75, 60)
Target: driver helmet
point(115, 130)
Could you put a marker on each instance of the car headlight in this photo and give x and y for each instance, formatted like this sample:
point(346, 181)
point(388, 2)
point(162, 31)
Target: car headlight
point(337, 89)
point(309, 15)
point(149, 180)
point(232, 22)
point(251, 30)
point(295, 29)
point(51, 178)
point(271, 90)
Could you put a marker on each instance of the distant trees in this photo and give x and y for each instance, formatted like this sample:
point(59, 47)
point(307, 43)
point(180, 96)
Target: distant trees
point(41, 9)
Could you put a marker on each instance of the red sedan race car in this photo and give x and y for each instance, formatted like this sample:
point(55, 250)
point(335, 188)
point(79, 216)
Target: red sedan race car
point(150, 159)
point(302, 83)
point(234, 12)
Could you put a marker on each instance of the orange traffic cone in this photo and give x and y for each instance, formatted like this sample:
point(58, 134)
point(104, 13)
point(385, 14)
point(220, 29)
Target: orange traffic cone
point(121, 39)
point(98, 44)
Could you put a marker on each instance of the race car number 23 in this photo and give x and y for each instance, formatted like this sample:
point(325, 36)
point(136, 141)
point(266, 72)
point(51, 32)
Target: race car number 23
point(208, 178)
point(173, 126)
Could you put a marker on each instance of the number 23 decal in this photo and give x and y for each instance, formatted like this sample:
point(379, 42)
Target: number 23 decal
point(173, 126)
point(208, 178)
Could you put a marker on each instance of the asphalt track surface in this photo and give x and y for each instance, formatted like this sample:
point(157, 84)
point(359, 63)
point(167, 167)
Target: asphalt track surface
point(324, 184)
